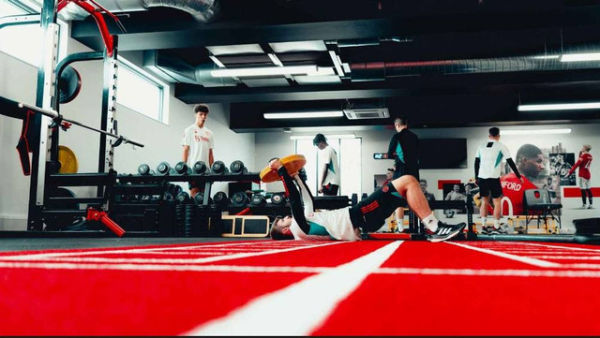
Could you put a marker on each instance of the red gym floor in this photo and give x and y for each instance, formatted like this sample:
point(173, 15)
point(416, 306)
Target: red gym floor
point(304, 288)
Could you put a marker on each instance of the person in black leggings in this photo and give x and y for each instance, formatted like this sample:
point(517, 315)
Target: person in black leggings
point(344, 224)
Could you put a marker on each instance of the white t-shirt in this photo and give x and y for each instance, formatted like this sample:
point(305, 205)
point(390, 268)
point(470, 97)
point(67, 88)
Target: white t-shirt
point(200, 141)
point(336, 222)
point(328, 156)
point(491, 155)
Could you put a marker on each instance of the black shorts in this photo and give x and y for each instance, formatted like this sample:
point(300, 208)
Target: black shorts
point(490, 185)
point(330, 189)
point(371, 212)
point(401, 169)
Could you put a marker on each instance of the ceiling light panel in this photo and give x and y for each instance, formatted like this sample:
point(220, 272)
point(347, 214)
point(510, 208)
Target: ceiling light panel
point(298, 46)
point(236, 49)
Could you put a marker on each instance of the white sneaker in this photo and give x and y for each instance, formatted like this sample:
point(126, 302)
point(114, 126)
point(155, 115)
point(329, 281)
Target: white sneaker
point(589, 206)
point(584, 206)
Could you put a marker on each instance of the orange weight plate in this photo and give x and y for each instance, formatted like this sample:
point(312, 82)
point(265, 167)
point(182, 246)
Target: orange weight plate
point(67, 160)
point(293, 163)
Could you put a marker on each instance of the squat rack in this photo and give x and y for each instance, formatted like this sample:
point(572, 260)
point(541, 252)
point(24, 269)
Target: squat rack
point(40, 122)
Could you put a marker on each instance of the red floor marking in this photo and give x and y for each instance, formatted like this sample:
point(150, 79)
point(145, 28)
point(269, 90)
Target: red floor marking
point(76, 302)
point(468, 305)
point(444, 255)
point(112, 302)
point(159, 247)
point(327, 256)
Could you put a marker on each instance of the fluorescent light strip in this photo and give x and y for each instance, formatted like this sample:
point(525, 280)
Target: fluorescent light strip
point(329, 137)
point(546, 57)
point(303, 115)
point(265, 71)
point(559, 106)
point(580, 57)
point(336, 62)
point(534, 131)
point(275, 59)
point(216, 61)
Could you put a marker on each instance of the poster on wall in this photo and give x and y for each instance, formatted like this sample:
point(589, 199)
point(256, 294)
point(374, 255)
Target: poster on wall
point(560, 164)
point(454, 192)
point(542, 167)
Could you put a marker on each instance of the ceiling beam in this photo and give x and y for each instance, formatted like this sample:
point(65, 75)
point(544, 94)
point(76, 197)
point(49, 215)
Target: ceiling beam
point(429, 83)
point(148, 30)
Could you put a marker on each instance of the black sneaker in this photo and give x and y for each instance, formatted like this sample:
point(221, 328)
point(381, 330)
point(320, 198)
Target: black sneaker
point(445, 231)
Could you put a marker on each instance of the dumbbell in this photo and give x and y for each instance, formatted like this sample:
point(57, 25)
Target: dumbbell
point(182, 197)
point(237, 167)
point(278, 199)
point(144, 169)
point(258, 200)
point(239, 199)
point(174, 189)
point(181, 168)
point(163, 168)
point(168, 197)
point(199, 198)
point(218, 168)
point(221, 199)
point(200, 168)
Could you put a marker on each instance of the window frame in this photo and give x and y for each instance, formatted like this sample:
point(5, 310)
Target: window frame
point(163, 87)
point(32, 8)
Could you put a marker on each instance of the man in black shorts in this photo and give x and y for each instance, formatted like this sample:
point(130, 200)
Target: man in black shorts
point(488, 160)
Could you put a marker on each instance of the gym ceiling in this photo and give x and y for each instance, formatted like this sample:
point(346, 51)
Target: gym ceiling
point(444, 63)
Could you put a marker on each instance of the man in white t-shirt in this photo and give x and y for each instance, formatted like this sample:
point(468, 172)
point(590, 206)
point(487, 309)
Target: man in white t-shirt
point(198, 144)
point(488, 160)
point(329, 166)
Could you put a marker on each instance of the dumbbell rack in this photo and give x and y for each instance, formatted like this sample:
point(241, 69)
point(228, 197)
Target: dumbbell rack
point(208, 179)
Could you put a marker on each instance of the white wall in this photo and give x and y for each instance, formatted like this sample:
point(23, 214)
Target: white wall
point(279, 144)
point(162, 142)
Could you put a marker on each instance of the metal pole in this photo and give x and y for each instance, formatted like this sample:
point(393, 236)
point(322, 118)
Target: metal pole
point(53, 114)
point(105, 157)
point(40, 123)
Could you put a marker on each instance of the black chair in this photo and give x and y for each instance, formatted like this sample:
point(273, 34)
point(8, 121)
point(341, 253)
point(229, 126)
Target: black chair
point(538, 202)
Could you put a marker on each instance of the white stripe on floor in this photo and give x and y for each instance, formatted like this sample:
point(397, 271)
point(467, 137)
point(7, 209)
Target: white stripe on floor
point(302, 269)
point(301, 307)
point(491, 272)
point(564, 247)
point(526, 260)
point(27, 257)
point(151, 260)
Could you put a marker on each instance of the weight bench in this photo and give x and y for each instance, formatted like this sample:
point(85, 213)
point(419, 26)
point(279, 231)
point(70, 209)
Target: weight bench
point(538, 202)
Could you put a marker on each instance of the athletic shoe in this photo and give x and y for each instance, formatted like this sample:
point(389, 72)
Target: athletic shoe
point(445, 231)
point(590, 206)
point(584, 206)
point(487, 229)
point(499, 231)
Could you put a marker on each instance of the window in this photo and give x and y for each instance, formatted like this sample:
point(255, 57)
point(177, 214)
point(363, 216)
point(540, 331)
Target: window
point(140, 91)
point(12, 37)
point(349, 156)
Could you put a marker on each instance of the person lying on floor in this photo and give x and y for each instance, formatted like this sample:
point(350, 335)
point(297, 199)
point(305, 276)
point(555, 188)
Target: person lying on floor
point(344, 224)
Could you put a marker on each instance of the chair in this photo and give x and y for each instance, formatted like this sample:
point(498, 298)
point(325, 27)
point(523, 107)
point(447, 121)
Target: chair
point(538, 202)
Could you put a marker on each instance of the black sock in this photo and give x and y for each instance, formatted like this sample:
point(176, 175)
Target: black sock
point(583, 195)
point(590, 195)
